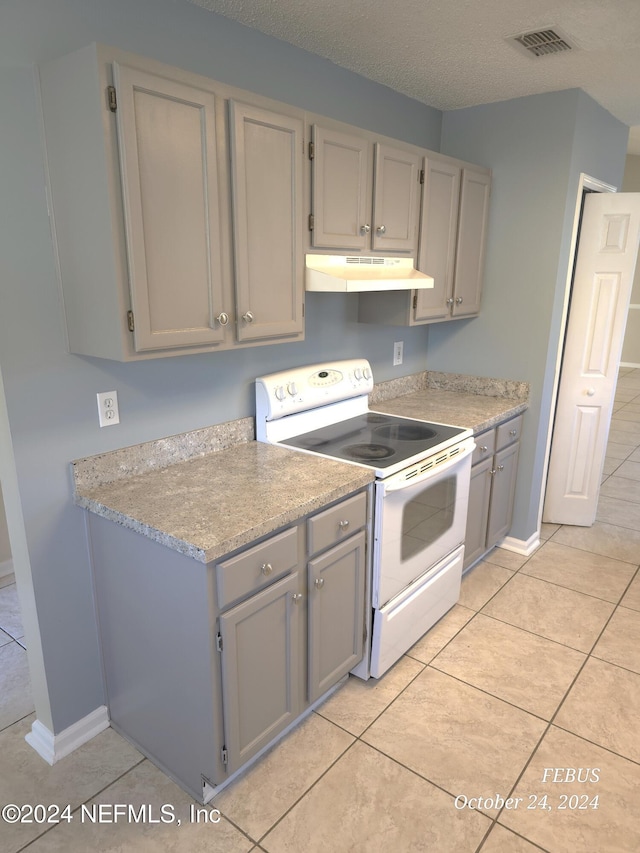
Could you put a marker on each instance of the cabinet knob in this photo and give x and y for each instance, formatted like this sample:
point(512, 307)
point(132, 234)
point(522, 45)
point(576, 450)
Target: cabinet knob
point(483, 448)
point(296, 597)
point(343, 524)
point(492, 472)
point(223, 318)
point(381, 229)
point(513, 432)
point(364, 229)
point(450, 300)
point(591, 392)
point(319, 583)
point(458, 300)
point(248, 317)
point(500, 467)
point(266, 569)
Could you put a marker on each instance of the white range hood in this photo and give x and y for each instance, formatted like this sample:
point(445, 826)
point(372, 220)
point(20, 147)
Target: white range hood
point(354, 274)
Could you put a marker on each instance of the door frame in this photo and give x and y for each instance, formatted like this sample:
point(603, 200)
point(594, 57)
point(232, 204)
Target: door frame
point(586, 183)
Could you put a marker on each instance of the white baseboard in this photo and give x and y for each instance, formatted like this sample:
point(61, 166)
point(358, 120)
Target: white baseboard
point(6, 568)
point(54, 747)
point(526, 547)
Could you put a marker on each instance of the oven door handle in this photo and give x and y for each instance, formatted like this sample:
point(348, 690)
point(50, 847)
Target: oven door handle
point(398, 482)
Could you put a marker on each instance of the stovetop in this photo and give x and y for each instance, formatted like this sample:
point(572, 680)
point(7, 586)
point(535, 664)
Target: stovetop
point(376, 440)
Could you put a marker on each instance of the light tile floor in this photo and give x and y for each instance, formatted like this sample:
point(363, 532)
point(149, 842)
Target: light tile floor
point(526, 694)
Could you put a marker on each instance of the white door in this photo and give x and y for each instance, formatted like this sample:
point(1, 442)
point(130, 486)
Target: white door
point(600, 296)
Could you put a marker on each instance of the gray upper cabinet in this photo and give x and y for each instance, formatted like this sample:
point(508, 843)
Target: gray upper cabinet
point(365, 195)
point(438, 231)
point(341, 178)
point(169, 170)
point(266, 161)
point(472, 231)
point(141, 175)
point(453, 231)
point(396, 199)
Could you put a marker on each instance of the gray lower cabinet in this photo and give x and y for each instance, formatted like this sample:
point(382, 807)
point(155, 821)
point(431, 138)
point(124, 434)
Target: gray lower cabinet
point(493, 483)
point(205, 664)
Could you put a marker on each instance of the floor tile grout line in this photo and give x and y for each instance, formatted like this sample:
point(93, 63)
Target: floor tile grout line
point(82, 803)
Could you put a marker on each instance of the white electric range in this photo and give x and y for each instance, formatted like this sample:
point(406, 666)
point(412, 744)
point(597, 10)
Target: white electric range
point(421, 492)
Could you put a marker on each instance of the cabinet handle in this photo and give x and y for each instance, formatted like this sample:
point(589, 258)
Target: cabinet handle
point(364, 229)
point(296, 597)
point(513, 432)
point(248, 317)
point(458, 300)
point(343, 524)
point(223, 318)
point(319, 583)
point(266, 569)
point(381, 229)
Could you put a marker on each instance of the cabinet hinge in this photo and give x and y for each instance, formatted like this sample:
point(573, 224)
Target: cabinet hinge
point(224, 755)
point(303, 309)
point(219, 642)
point(112, 98)
point(312, 150)
point(415, 299)
point(421, 176)
point(130, 321)
point(311, 221)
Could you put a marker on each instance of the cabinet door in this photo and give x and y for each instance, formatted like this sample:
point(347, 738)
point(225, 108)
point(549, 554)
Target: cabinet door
point(478, 513)
point(266, 161)
point(502, 493)
point(169, 172)
point(341, 173)
point(261, 689)
point(472, 234)
point(396, 200)
point(438, 229)
point(336, 613)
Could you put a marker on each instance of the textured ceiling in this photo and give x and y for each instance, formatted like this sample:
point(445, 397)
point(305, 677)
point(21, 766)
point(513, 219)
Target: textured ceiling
point(452, 53)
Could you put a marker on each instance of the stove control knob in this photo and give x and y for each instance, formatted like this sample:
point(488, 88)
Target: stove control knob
point(280, 392)
point(358, 373)
point(366, 373)
point(292, 388)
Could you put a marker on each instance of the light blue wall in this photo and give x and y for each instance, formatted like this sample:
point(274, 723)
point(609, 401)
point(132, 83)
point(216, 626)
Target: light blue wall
point(50, 394)
point(537, 147)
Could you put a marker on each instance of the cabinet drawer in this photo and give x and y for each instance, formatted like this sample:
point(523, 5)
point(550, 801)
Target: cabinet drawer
point(335, 524)
point(508, 432)
point(485, 446)
point(257, 568)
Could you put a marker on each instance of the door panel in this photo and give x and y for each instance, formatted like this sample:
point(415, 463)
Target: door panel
point(340, 175)
point(472, 227)
point(600, 296)
point(266, 160)
point(167, 146)
point(396, 203)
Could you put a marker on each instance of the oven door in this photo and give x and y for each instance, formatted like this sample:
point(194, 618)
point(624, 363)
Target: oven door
point(418, 522)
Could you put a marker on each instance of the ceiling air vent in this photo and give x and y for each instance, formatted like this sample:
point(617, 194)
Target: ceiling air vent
point(542, 42)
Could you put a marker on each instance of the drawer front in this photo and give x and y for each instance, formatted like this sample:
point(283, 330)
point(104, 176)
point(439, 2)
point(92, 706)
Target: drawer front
point(337, 523)
point(257, 567)
point(508, 432)
point(485, 446)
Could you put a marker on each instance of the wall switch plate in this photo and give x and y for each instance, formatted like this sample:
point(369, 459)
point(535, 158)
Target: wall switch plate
point(398, 348)
point(108, 412)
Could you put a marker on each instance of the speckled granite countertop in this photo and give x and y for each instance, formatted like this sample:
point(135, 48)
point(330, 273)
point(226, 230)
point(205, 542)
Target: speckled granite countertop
point(449, 398)
point(210, 505)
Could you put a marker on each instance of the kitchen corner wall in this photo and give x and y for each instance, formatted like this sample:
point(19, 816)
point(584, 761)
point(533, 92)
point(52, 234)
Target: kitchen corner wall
point(631, 345)
point(5, 547)
point(537, 147)
point(50, 394)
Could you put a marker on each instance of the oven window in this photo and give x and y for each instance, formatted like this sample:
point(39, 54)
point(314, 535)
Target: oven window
point(427, 516)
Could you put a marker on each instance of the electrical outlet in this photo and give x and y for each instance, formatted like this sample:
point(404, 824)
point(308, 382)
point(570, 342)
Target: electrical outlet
point(108, 412)
point(398, 348)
